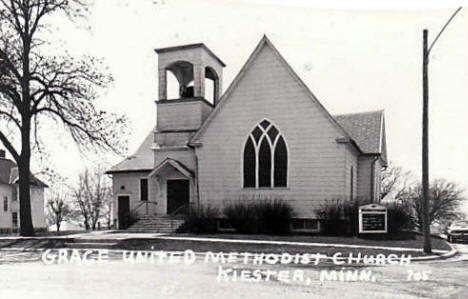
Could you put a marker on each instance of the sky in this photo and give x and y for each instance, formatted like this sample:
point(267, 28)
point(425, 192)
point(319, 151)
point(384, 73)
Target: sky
point(353, 55)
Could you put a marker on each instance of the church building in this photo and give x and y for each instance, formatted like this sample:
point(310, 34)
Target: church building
point(267, 136)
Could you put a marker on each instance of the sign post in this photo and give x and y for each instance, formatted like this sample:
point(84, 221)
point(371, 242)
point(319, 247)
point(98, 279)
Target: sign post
point(372, 219)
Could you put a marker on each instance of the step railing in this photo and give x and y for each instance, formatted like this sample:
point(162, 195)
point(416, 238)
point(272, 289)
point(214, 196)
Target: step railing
point(146, 203)
point(180, 209)
point(132, 217)
point(184, 207)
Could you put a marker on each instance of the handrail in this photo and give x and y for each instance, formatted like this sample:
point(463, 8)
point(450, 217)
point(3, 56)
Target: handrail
point(179, 209)
point(145, 202)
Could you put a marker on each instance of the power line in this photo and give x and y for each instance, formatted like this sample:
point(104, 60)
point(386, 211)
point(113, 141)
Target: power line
point(443, 28)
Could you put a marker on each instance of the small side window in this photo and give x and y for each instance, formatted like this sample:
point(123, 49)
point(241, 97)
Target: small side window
point(14, 195)
point(5, 203)
point(144, 189)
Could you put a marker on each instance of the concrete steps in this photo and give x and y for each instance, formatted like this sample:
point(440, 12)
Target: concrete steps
point(156, 224)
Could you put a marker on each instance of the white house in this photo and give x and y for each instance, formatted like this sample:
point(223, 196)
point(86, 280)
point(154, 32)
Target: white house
point(9, 196)
point(267, 135)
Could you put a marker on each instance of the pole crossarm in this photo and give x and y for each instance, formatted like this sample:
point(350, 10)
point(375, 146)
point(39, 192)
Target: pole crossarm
point(443, 28)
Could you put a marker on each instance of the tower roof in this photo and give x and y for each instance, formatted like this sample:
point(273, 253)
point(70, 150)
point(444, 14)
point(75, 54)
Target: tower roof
point(187, 47)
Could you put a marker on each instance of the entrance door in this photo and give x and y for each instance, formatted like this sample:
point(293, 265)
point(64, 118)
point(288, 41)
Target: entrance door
point(178, 194)
point(123, 211)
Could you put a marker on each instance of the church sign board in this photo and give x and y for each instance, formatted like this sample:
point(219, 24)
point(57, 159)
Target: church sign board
point(372, 219)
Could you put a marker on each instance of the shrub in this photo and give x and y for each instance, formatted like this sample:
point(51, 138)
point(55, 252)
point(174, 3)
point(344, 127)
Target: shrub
point(399, 217)
point(266, 216)
point(241, 214)
point(330, 214)
point(201, 221)
point(342, 217)
point(274, 216)
point(351, 214)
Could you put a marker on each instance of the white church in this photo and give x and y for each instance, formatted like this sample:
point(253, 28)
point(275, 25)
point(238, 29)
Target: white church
point(266, 136)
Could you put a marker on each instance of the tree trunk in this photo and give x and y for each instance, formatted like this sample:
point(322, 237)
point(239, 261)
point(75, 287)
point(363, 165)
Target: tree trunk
point(24, 163)
point(26, 225)
point(24, 171)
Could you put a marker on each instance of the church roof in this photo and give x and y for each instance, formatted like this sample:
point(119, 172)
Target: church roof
point(365, 129)
point(179, 166)
point(141, 160)
point(265, 42)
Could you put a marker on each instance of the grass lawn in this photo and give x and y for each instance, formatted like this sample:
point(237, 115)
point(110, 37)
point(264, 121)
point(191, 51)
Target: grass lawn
point(199, 246)
point(405, 239)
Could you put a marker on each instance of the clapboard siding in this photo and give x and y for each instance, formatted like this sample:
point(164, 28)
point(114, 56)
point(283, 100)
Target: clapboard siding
point(365, 191)
point(351, 156)
point(187, 115)
point(377, 178)
point(317, 162)
point(128, 184)
point(184, 155)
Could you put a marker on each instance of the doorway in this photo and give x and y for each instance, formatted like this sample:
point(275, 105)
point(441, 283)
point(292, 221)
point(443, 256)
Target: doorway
point(123, 211)
point(178, 196)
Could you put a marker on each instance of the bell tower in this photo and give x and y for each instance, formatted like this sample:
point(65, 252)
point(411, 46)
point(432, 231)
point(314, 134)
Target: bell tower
point(191, 65)
point(180, 116)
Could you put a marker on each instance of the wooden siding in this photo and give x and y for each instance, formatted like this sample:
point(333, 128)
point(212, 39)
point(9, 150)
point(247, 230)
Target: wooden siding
point(364, 177)
point(316, 161)
point(180, 115)
point(172, 138)
point(37, 206)
point(366, 182)
point(351, 160)
point(131, 183)
point(5, 216)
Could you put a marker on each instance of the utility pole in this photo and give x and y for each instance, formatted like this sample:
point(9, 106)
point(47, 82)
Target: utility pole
point(425, 136)
point(425, 149)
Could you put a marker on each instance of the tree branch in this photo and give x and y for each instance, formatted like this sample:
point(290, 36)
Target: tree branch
point(9, 147)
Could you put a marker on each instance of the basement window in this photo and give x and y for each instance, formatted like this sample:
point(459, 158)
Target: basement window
point(305, 225)
point(224, 225)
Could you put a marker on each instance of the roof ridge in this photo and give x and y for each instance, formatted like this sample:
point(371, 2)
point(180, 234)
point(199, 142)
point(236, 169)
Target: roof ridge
point(266, 41)
point(363, 112)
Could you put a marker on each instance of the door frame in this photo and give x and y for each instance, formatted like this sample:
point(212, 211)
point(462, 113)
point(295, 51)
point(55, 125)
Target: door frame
point(167, 191)
point(121, 226)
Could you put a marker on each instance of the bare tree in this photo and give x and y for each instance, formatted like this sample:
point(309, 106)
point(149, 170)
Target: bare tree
point(394, 181)
point(57, 194)
point(35, 86)
point(92, 196)
point(444, 201)
point(107, 214)
point(58, 210)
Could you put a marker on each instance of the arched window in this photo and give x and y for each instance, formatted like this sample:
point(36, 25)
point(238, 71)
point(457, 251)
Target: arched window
point(265, 157)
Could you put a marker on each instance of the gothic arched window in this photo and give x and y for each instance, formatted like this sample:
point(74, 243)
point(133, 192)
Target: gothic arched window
point(265, 157)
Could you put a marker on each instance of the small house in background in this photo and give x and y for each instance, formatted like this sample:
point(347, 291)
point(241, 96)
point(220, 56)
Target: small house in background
point(266, 136)
point(9, 197)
